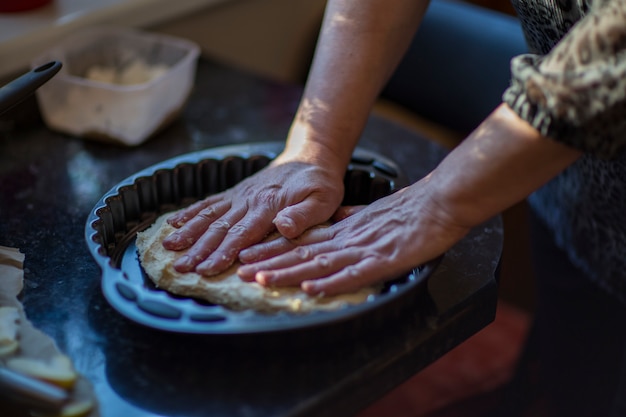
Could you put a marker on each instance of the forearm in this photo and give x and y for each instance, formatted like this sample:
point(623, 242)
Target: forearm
point(499, 164)
point(361, 43)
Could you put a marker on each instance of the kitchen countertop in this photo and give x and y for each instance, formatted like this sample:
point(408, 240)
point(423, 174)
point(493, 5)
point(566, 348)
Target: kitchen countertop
point(49, 183)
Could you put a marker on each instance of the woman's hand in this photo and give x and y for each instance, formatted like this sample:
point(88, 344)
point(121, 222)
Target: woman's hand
point(372, 244)
point(360, 44)
point(289, 196)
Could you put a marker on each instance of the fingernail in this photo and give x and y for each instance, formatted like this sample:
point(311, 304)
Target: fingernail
point(309, 287)
point(263, 278)
point(172, 238)
point(285, 224)
point(183, 264)
point(246, 273)
point(206, 268)
point(177, 242)
point(175, 221)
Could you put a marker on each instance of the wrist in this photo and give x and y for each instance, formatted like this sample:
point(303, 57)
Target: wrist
point(306, 145)
point(499, 164)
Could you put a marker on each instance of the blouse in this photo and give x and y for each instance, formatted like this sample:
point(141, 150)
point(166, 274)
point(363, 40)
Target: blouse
point(572, 88)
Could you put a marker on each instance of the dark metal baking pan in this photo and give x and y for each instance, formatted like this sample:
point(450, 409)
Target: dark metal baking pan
point(134, 204)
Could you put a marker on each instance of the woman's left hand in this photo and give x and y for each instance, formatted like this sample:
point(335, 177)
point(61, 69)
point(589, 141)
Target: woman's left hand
point(367, 245)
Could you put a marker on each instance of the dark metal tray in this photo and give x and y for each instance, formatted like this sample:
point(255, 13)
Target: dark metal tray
point(134, 204)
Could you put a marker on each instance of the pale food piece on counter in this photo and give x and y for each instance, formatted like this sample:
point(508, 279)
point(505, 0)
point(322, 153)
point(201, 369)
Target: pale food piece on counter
point(9, 349)
point(9, 318)
point(58, 370)
point(227, 288)
point(79, 408)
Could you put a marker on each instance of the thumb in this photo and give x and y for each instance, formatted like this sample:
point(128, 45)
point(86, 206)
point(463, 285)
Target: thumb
point(292, 221)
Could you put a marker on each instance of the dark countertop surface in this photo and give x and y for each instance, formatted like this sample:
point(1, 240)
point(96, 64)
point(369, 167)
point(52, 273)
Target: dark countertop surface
point(49, 183)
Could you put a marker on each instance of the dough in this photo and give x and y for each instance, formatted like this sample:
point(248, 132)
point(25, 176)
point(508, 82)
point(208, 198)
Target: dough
point(227, 288)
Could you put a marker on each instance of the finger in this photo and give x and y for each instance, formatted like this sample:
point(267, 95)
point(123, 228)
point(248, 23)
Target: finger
point(292, 221)
point(344, 212)
point(266, 250)
point(263, 251)
point(246, 232)
point(191, 231)
point(181, 217)
point(207, 243)
point(297, 255)
point(350, 278)
point(319, 266)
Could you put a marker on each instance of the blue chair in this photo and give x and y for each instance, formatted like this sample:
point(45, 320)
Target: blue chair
point(457, 66)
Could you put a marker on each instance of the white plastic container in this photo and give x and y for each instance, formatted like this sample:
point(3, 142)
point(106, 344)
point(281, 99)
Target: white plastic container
point(117, 85)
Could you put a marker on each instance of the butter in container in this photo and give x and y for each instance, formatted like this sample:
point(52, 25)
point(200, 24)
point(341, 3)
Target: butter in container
point(117, 84)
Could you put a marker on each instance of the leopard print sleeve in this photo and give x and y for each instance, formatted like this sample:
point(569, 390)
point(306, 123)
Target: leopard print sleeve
point(576, 93)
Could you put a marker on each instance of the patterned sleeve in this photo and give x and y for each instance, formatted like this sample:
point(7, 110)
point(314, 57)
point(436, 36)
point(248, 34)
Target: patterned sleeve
point(576, 94)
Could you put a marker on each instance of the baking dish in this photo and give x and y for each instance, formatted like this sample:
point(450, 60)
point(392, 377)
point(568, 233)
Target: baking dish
point(134, 204)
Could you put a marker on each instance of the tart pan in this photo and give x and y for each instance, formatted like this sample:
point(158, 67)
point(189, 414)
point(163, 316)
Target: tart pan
point(135, 203)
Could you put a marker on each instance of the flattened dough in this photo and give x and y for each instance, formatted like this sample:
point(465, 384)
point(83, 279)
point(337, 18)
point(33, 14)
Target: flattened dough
point(227, 288)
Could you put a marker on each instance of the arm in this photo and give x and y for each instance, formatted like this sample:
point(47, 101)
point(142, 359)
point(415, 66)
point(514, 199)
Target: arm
point(360, 43)
point(558, 106)
point(499, 164)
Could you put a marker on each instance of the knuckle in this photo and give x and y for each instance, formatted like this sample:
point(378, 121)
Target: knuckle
point(303, 252)
point(219, 226)
point(352, 271)
point(238, 230)
point(269, 197)
point(323, 261)
point(207, 213)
